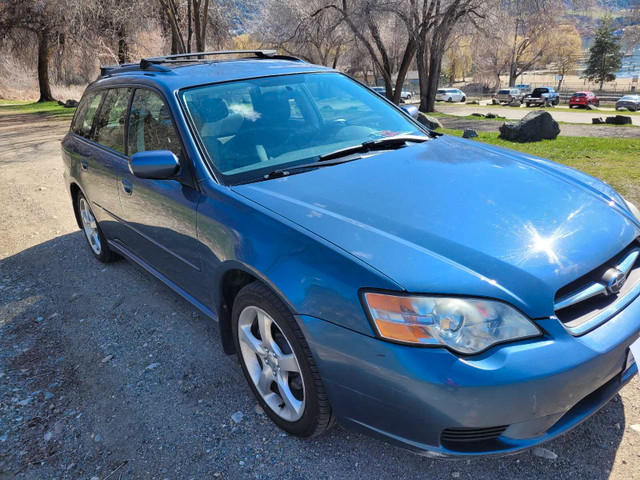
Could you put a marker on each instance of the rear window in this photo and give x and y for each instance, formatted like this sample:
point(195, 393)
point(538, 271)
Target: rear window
point(580, 95)
point(541, 90)
point(83, 119)
point(504, 92)
point(441, 91)
point(109, 129)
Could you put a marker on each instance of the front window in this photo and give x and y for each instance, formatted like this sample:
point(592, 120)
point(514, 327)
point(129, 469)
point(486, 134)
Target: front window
point(252, 127)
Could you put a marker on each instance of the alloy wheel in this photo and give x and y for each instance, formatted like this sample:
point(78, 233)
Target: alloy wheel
point(271, 363)
point(90, 226)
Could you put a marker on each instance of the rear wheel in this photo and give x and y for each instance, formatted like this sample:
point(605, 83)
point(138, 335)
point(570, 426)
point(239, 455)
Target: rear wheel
point(528, 104)
point(450, 100)
point(278, 364)
point(93, 233)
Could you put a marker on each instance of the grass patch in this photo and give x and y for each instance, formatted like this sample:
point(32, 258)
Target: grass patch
point(614, 160)
point(40, 108)
point(513, 120)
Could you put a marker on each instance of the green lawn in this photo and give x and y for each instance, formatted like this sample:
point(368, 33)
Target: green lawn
point(614, 160)
point(43, 108)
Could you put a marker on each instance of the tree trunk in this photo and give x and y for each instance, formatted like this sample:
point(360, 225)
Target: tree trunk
point(422, 61)
point(43, 67)
point(123, 46)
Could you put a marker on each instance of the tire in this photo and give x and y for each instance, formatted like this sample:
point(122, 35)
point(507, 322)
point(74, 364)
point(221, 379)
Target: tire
point(92, 232)
point(450, 100)
point(464, 99)
point(555, 102)
point(308, 412)
point(528, 104)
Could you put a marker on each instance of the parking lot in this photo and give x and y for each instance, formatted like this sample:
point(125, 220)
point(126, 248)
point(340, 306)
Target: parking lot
point(106, 373)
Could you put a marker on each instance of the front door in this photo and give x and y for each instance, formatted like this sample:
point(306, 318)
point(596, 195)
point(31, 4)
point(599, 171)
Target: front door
point(161, 214)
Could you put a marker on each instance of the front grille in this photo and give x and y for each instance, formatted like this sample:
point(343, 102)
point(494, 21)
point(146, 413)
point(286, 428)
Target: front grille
point(587, 302)
point(470, 435)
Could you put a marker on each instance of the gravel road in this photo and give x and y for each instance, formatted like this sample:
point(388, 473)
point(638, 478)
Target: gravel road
point(107, 374)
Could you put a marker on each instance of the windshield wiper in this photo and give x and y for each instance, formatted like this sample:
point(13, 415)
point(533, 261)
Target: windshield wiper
point(379, 144)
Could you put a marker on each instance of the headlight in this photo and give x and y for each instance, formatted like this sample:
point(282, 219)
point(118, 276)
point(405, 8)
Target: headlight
point(466, 325)
point(634, 210)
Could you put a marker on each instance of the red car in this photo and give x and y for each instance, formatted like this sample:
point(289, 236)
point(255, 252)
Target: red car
point(584, 99)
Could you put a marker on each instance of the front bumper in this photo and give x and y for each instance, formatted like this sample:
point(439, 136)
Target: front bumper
point(536, 389)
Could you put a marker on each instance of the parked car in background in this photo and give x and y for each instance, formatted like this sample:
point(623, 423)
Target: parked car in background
point(450, 95)
point(525, 88)
point(508, 95)
point(630, 102)
point(584, 99)
point(380, 90)
point(448, 296)
point(406, 95)
point(542, 96)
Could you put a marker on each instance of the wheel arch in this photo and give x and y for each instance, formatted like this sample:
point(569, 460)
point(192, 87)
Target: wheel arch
point(234, 278)
point(74, 190)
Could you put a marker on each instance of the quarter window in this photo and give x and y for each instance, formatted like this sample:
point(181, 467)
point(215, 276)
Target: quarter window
point(150, 125)
point(83, 120)
point(109, 129)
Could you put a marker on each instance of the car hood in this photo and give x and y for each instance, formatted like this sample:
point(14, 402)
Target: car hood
point(452, 216)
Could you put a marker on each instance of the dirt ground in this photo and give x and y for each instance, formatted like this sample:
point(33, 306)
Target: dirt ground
point(107, 374)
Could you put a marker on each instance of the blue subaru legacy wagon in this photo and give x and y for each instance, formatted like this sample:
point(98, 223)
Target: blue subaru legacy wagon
point(451, 297)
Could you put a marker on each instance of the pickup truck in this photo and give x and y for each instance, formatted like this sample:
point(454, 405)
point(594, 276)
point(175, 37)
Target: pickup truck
point(542, 96)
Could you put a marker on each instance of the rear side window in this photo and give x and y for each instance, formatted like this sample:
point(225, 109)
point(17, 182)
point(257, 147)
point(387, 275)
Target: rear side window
point(83, 120)
point(109, 129)
point(150, 125)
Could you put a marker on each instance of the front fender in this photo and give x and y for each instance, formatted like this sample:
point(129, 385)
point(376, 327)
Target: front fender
point(311, 275)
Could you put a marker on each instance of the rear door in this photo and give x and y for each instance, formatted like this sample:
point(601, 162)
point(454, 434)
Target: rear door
point(100, 152)
point(161, 214)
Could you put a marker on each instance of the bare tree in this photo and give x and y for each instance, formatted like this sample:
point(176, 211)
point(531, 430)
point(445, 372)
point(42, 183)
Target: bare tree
point(304, 29)
point(445, 18)
point(39, 20)
point(195, 17)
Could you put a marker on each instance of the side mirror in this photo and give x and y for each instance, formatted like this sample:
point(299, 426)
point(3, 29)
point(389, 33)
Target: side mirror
point(411, 110)
point(155, 164)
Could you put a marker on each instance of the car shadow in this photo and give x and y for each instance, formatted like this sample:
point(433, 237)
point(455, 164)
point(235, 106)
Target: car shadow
point(103, 365)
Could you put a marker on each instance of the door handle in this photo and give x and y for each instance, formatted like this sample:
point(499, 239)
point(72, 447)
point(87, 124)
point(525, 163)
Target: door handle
point(127, 187)
point(84, 163)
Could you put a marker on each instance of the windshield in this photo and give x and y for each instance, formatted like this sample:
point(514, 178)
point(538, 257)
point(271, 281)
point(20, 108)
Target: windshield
point(504, 92)
point(252, 127)
point(630, 97)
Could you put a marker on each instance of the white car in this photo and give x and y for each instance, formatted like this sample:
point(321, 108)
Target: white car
point(450, 95)
point(405, 95)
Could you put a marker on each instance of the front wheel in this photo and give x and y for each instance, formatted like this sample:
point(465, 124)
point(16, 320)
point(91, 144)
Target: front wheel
point(528, 104)
point(93, 232)
point(450, 100)
point(277, 363)
point(556, 101)
point(464, 99)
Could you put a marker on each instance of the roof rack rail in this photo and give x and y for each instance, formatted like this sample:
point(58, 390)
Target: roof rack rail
point(127, 67)
point(146, 63)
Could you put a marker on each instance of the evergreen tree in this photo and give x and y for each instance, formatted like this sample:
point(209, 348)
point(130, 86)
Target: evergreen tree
point(605, 55)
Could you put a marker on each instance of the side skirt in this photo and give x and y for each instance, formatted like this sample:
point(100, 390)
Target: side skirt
point(125, 252)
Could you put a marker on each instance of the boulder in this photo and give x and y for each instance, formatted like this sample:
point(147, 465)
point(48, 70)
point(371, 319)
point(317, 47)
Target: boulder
point(469, 133)
point(473, 102)
point(598, 120)
point(535, 126)
point(71, 104)
point(515, 103)
point(592, 107)
point(619, 120)
point(432, 123)
point(494, 102)
point(481, 115)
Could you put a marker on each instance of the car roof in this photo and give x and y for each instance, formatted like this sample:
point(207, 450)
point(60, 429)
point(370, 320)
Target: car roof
point(177, 73)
